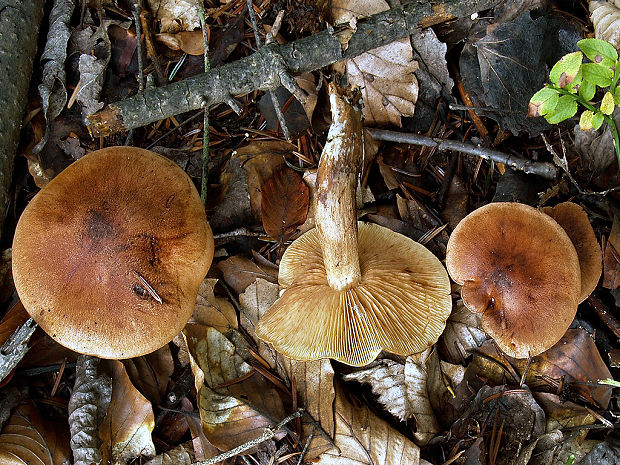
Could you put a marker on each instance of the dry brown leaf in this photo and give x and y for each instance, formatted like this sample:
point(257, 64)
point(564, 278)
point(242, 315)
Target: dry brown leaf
point(611, 260)
point(151, 373)
point(235, 403)
point(574, 360)
point(561, 413)
point(175, 15)
point(260, 159)
point(239, 272)
point(27, 439)
point(605, 18)
point(213, 311)
point(284, 203)
point(363, 438)
point(421, 375)
point(176, 456)
point(203, 449)
point(463, 334)
point(314, 380)
point(385, 74)
point(191, 42)
point(126, 430)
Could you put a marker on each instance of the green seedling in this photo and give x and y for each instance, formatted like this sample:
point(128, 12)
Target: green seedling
point(574, 83)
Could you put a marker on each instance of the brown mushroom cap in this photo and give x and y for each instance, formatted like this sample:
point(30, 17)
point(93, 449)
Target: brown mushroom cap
point(574, 220)
point(520, 270)
point(400, 305)
point(108, 257)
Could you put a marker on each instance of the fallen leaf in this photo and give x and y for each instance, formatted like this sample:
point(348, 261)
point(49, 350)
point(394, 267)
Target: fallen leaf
point(562, 414)
point(363, 438)
point(13, 319)
point(27, 439)
point(284, 203)
point(605, 18)
point(176, 456)
point(235, 403)
point(213, 311)
point(190, 42)
point(418, 375)
point(463, 334)
point(151, 373)
point(260, 159)
point(126, 429)
point(514, 412)
point(239, 272)
point(385, 74)
point(175, 15)
point(387, 380)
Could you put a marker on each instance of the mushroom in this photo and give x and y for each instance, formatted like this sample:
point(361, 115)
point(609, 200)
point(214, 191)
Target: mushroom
point(353, 289)
point(108, 257)
point(518, 268)
point(574, 220)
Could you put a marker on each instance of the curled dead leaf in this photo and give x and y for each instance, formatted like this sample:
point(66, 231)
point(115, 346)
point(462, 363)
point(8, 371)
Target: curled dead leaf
point(191, 42)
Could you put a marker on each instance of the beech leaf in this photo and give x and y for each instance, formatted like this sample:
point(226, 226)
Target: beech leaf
point(463, 334)
point(235, 403)
point(364, 438)
point(284, 203)
point(126, 429)
point(27, 439)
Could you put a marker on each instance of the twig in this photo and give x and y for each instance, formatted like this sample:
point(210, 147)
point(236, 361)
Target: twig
point(136, 19)
point(260, 70)
point(205, 125)
point(546, 170)
point(562, 162)
point(306, 445)
point(269, 433)
point(15, 348)
point(606, 317)
point(272, 93)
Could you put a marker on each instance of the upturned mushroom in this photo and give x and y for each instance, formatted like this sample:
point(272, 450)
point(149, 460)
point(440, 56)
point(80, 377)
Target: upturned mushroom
point(520, 270)
point(353, 289)
point(108, 257)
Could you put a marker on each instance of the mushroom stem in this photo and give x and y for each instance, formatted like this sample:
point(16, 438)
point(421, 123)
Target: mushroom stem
point(336, 180)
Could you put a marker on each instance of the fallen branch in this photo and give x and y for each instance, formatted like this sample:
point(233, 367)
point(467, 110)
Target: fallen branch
point(13, 350)
point(545, 170)
point(264, 70)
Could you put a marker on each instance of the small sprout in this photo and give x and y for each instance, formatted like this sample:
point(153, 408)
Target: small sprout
point(574, 82)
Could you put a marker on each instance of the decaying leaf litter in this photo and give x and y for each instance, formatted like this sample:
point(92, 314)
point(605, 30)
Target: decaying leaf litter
point(450, 98)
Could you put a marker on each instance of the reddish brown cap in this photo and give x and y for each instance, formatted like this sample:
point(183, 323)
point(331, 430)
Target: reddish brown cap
point(400, 305)
point(520, 270)
point(108, 257)
point(574, 220)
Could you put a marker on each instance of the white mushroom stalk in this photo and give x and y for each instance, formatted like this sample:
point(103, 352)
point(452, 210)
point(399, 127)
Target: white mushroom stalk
point(337, 177)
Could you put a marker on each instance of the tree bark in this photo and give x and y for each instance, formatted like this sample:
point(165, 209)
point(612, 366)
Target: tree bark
point(263, 69)
point(19, 29)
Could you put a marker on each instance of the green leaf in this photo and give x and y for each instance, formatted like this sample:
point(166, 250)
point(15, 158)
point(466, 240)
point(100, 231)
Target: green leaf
point(587, 90)
point(597, 74)
point(585, 121)
point(607, 105)
point(566, 108)
point(542, 102)
point(565, 70)
point(573, 86)
point(599, 51)
point(597, 120)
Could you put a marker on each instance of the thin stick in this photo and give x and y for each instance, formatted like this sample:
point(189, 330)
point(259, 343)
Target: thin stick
point(269, 433)
point(272, 92)
point(545, 170)
point(205, 126)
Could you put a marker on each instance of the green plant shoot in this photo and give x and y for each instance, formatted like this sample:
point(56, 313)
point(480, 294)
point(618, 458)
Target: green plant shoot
point(574, 83)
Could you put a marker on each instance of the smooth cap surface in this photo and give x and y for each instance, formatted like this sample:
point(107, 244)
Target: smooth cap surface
point(401, 304)
point(108, 257)
point(520, 270)
point(574, 220)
